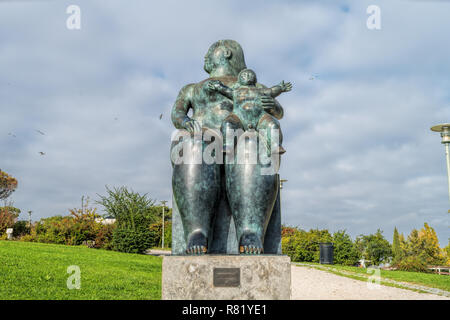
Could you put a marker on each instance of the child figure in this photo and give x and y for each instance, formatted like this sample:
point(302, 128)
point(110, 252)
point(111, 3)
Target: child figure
point(247, 113)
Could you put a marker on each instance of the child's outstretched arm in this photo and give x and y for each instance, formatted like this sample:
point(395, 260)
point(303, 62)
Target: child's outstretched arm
point(217, 86)
point(275, 91)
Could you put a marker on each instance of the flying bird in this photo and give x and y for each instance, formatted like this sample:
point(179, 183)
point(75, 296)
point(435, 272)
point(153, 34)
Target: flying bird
point(160, 117)
point(41, 153)
point(11, 134)
point(40, 132)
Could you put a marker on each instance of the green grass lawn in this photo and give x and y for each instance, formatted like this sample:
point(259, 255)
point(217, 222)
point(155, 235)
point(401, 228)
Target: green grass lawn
point(425, 279)
point(39, 271)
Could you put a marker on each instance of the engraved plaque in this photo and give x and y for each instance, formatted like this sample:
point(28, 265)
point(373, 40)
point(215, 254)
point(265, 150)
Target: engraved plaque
point(227, 277)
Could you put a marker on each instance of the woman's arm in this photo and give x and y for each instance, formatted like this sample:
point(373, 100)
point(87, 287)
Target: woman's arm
point(181, 107)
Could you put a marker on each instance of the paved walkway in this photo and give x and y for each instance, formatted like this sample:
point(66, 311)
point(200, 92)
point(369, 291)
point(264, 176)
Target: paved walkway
point(313, 284)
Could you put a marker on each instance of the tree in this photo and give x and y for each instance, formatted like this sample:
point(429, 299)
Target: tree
point(156, 230)
point(374, 247)
point(403, 244)
point(303, 245)
point(344, 249)
point(447, 253)
point(434, 254)
point(8, 185)
point(288, 240)
point(424, 245)
point(396, 249)
point(8, 217)
point(287, 231)
point(157, 211)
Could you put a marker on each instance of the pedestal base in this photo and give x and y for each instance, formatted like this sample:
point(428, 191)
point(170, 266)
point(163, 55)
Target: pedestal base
point(226, 277)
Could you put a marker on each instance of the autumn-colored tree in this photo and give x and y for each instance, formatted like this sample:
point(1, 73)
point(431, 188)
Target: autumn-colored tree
point(423, 244)
point(431, 249)
point(447, 253)
point(403, 243)
point(8, 217)
point(84, 225)
point(8, 185)
point(287, 231)
point(85, 212)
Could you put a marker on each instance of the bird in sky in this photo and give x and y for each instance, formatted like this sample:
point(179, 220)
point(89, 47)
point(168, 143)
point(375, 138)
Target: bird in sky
point(11, 134)
point(40, 132)
point(160, 116)
point(41, 153)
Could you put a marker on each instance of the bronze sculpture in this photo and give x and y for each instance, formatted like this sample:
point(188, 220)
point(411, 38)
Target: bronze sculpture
point(202, 189)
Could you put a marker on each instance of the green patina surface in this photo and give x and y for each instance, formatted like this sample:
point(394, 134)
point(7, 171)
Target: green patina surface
point(210, 197)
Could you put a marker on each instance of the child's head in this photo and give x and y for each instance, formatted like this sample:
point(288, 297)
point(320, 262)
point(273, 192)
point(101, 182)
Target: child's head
point(247, 77)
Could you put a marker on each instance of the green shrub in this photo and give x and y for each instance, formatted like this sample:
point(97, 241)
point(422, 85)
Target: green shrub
point(134, 214)
point(130, 209)
point(75, 229)
point(303, 245)
point(104, 237)
point(132, 241)
point(21, 228)
point(411, 263)
point(53, 230)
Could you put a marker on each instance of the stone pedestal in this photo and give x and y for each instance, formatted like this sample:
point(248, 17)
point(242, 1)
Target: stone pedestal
point(226, 277)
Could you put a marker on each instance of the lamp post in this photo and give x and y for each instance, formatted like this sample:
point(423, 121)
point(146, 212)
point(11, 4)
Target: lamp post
point(163, 206)
point(444, 129)
point(281, 187)
point(29, 217)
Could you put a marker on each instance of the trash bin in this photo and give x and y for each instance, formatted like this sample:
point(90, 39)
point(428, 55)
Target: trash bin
point(326, 252)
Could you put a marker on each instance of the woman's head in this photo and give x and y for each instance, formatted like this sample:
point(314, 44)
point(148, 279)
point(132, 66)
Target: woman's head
point(226, 54)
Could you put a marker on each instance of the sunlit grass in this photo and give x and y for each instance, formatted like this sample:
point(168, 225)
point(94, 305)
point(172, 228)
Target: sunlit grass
point(39, 271)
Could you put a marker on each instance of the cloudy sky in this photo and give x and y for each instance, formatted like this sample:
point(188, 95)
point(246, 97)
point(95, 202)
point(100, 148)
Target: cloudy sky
point(360, 153)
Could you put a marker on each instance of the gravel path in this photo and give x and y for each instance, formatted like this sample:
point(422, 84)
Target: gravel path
point(313, 284)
